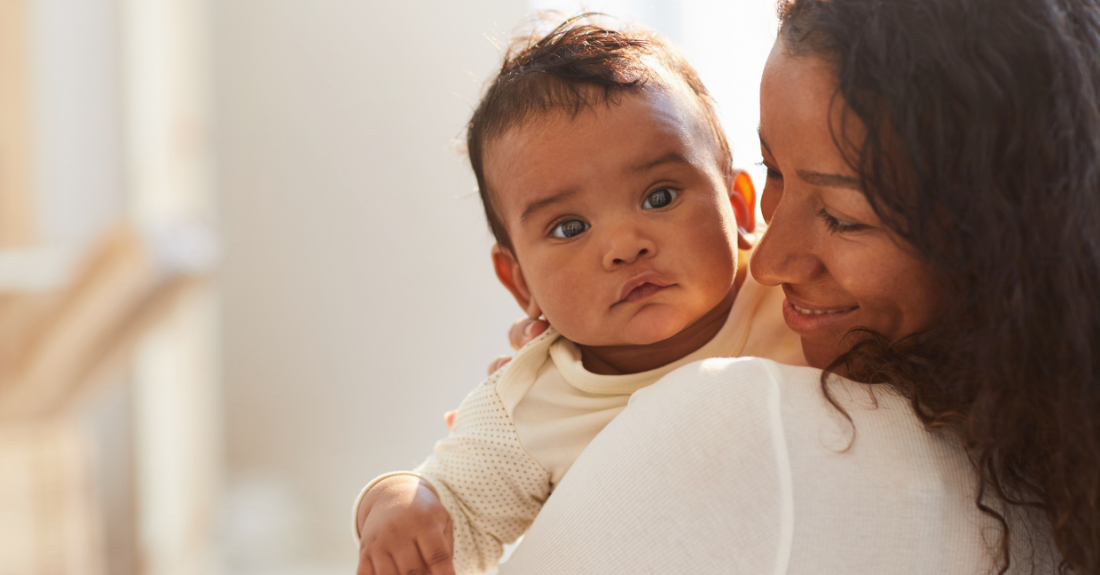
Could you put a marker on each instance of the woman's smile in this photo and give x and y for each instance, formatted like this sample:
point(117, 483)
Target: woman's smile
point(806, 319)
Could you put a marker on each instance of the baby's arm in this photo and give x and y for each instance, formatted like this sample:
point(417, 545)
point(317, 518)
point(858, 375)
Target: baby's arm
point(489, 486)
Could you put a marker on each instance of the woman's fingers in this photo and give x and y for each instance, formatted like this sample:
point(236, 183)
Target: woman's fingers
point(498, 363)
point(525, 330)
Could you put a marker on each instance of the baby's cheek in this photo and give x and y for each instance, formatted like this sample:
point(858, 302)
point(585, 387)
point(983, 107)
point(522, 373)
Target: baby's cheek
point(566, 306)
point(712, 258)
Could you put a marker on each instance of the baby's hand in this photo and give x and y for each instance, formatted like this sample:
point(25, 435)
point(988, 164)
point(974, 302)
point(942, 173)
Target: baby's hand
point(404, 530)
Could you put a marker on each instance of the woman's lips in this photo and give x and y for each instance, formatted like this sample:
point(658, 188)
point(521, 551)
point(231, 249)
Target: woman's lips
point(804, 318)
point(805, 311)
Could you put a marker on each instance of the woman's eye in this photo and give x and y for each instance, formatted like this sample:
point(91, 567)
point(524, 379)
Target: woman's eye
point(770, 173)
point(659, 199)
point(570, 228)
point(836, 225)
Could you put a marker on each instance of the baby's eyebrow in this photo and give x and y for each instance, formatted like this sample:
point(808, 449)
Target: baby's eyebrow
point(665, 159)
point(545, 202)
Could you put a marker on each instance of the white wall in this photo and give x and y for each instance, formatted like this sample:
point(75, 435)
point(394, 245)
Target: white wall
point(79, 191)
point(359, 299)
point(77, 118)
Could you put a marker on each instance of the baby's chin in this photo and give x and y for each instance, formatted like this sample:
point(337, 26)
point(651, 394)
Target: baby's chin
point(640, 332)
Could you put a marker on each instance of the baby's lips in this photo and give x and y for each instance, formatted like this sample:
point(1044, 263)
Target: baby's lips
point(638, 281)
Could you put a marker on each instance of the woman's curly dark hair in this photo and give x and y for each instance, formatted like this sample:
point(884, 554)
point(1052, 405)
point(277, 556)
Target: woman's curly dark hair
point(983, 152)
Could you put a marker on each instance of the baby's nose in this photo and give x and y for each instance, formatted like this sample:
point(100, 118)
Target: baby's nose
point(640, 253)
point(627, 250)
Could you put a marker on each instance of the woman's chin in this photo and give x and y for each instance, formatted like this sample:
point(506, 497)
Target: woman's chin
point(817, 355)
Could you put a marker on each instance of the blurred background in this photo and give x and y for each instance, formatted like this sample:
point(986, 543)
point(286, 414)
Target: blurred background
point(243, 265)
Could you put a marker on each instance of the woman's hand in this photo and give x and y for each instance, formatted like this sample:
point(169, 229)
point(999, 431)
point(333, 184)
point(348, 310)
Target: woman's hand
point(522, 332)
point(525, 330)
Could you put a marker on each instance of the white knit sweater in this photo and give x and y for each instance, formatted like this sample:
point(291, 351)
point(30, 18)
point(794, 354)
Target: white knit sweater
point(742, 466)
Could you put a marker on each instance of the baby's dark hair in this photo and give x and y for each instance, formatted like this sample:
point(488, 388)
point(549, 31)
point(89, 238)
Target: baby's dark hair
point(577, 66)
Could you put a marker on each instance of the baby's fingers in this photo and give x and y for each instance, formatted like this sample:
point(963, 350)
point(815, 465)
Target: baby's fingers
point(365, 566)
point(408, 561)
point(377, 564)
point(436, 551)
point(367, 562)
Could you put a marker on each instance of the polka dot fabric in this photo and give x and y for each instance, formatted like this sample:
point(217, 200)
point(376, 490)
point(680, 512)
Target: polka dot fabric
point(492, 488)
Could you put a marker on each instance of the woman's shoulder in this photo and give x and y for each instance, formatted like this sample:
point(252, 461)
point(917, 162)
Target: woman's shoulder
point(860, 479)
point(813, 421)
point(849, 472)
point(797, 393)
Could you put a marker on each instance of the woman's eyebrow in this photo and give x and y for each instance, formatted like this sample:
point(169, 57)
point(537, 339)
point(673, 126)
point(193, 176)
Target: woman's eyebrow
point(819, 178)
point(830, 180)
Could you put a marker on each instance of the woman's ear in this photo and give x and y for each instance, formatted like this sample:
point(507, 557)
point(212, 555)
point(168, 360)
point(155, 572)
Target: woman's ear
point(743, 198)
point(511, 276)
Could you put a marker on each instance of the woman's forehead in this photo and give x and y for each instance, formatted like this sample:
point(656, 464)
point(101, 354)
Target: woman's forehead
point(803, 117)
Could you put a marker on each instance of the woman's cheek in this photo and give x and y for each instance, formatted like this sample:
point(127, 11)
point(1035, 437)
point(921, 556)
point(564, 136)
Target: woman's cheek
point(898, 297)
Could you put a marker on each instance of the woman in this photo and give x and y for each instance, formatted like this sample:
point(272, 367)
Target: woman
point(933, 199)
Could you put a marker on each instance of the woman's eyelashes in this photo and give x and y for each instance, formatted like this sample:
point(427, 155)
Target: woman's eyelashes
point(836, 225)
point(569, 228)
point(659, 198)
point(770, 172)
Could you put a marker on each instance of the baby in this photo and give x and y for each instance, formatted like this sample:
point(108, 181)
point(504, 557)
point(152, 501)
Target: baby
point(607, 182)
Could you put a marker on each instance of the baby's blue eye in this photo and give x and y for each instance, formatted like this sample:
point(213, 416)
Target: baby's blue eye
point(659, 199)
point(570, 228)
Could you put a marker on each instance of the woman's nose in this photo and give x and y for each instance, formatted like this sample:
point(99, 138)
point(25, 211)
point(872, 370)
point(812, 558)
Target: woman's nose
point(626, 246)
point(786, 253)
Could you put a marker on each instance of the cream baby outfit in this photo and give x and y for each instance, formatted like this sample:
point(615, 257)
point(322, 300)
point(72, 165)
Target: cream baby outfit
point(518, 433)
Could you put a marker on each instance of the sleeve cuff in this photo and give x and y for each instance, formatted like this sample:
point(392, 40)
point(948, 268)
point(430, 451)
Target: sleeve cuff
point(363, 493)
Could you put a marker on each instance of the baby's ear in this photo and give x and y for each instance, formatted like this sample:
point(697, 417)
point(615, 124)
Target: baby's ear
point(743, 198)
point(511, 276)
